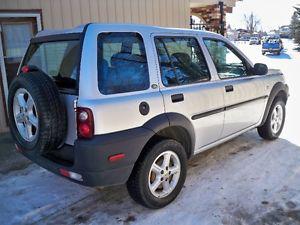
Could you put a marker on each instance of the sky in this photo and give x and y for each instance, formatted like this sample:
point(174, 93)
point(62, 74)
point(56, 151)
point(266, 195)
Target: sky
point(272, 13)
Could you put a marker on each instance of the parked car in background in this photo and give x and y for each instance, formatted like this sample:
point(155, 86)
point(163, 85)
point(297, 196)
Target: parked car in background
point(244, 38)
point(254, 41)
point(108, 104)
point(272, 44)
point(285, 31)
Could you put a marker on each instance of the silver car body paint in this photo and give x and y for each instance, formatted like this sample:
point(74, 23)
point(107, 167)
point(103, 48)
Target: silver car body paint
point(119, 112)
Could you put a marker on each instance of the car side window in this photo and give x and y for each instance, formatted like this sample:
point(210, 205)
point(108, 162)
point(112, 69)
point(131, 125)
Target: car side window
point(181, 61)
point(122, 63)
point(227, 62)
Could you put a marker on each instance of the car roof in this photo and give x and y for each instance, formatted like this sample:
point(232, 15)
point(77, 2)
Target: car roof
point(47, 32)
point(130, 27)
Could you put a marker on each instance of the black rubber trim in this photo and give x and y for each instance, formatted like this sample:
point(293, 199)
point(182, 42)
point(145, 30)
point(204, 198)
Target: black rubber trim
point(245, 102)
point(80, 54)
point(215, 111)
point(56, 37)
point(278, 87)
point(178, 120)
point(157, 123)
point(209, 113)
point(166, 120)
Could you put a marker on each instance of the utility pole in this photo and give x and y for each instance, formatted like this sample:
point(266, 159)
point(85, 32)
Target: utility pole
point(222, 24)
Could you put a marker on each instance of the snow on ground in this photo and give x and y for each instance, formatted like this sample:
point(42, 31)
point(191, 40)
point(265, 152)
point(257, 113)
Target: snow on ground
point(289, 63)
point(244, 181)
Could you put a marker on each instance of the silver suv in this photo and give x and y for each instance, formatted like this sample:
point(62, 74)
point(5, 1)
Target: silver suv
point(113, 104)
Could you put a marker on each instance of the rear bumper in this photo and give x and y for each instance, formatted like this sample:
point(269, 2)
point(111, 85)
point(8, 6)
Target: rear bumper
point(91, 157)
point(271, 50)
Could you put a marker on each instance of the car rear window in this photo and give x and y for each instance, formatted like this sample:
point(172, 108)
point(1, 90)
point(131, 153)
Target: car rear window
point(273, 40)
point(58, 59)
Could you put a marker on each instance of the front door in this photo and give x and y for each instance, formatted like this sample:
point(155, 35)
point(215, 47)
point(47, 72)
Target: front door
point(15, 36)
point(243, 93)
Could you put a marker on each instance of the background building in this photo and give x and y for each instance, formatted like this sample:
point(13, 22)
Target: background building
point(22, 19)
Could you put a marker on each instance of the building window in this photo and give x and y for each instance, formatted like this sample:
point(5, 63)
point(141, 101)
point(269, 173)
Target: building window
point(181, 61)
point(122, 63)
point(16, 38)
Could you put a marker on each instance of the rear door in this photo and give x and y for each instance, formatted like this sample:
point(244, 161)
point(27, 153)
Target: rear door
point(243, 92)
point(59, 59)
point(118, 79)
point(187, 86)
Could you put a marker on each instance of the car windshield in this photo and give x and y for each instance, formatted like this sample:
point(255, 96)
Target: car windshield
point(57, 59)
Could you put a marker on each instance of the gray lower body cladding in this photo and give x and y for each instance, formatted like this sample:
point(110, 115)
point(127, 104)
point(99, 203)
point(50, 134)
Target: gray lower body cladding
point(91, 157)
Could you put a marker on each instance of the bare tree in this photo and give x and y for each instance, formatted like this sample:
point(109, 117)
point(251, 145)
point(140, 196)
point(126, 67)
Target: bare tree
point(251, 22)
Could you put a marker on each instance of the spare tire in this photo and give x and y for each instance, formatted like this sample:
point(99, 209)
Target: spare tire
point(37, 117)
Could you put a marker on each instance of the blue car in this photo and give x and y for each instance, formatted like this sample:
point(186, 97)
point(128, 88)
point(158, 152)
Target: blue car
point(272, 45)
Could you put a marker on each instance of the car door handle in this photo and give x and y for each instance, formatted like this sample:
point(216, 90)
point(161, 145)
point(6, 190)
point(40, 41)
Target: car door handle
point(229, 88)
point(177, 98)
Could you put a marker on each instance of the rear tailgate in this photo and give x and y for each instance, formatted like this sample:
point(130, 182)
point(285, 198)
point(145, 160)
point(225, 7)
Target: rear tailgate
point(268, 45)
point(59, 58)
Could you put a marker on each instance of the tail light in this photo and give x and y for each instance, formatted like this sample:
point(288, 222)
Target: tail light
point(29, 68)
point(85, 122)
point(72, 175)
point(25, 69)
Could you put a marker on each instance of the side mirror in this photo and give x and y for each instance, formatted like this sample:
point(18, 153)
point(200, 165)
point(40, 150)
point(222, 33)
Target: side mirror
point(260, 69)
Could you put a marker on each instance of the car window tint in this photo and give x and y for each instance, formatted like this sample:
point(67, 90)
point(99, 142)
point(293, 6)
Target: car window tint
point(181, 61)
point(227, 63)
point(122, 63)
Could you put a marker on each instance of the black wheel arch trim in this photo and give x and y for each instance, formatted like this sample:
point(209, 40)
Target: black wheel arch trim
point(277, 88)
point(166, 120)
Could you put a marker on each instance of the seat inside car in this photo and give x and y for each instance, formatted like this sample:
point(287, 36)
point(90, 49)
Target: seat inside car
point(126, 71)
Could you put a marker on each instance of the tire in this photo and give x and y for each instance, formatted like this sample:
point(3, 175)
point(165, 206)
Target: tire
point(138, 184)
point(50, 120)
point(266, 131)
point(263, 53)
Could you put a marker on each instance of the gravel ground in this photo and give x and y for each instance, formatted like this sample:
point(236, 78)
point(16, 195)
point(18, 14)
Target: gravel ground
point(244, 181)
